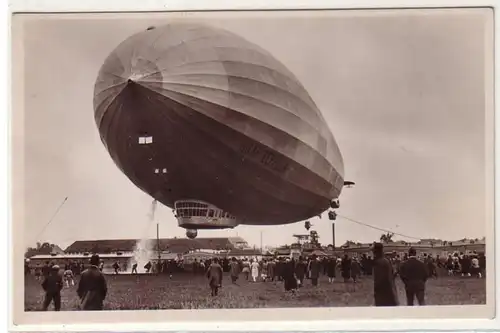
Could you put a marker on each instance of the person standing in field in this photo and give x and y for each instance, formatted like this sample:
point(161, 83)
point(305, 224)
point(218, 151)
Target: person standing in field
point(92, 288)
point(289, 277)
point(246, 269)
point(38, 273)
point(300, 271)
point(52, 285)
point(475, 268)
point(331, 269)
point(414, 275)
point(214, 275)
point(278, 270)
point(355, 270)
point(482, 264)
point(255, 270)
point(46, 269)
point(271, 269)
point(263, 270)
point(449, 265)
point(314, 269)
point(234, 270)
point(396, 264)
point(431, 266)
point(346, 268)
point(69, 278)
point(384, 286)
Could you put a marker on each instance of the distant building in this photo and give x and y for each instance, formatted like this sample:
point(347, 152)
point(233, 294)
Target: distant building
point(239, 243)
point(173, 245)
point(45, 249)
point(123, 258)
point(434, 247)
point(244, 253)
point(122, 251)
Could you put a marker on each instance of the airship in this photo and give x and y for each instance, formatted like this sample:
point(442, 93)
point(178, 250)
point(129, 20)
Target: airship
point(214, 127)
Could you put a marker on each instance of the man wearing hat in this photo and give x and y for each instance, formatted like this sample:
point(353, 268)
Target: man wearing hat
point(414, 274)
point(52, 285)
point(92, 288)
point(384, 286)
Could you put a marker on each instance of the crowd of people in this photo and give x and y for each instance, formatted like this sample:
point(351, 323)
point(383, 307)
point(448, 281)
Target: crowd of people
point(92, 287)
point(384, 268)
point(412, 270)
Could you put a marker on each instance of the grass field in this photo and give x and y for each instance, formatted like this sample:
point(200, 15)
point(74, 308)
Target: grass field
point(185, 291)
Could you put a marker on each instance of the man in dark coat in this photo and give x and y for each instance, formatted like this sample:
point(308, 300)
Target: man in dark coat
point(355, 270)
point(384, 286)
point(482, 263)
point(52, 285)
point(314, 269)
point(214, 275)
point(345, 266)
point(369, 266)
point(279, 269)
point(271, 269)
point(300, 270)
point(92, 288)
point(46, 269)
point(289, 277)
point(414, 273)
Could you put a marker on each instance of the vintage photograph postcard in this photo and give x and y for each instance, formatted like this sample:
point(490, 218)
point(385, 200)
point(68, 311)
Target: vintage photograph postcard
point(254, 165)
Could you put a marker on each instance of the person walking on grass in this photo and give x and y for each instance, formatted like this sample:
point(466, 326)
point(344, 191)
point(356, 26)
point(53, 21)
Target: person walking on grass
point(214, 275)
point(92, 288)
point(116, 267)
point(52, 285)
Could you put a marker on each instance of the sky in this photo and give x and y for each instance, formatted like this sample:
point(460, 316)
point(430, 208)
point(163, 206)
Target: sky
point(402, 92)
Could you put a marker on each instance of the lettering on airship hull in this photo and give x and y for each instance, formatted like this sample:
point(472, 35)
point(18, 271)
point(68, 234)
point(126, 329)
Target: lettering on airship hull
point(264, 157)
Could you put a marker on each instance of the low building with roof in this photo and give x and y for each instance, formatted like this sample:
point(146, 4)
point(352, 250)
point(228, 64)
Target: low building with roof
point(174, 245)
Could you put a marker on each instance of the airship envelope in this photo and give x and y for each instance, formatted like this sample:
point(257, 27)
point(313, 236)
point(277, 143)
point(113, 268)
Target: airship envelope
point(191, 112)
